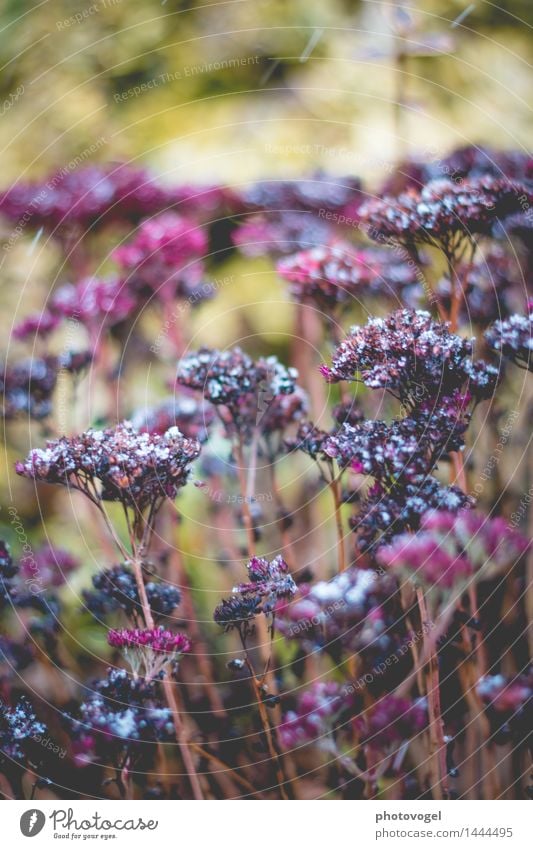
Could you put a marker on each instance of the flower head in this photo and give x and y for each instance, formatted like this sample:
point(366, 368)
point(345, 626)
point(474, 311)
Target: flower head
point(443, 212)
point(336, 276)
point(18, 727)
point(253, 393)
point(391, 721)
point(116, 589)
point(412, 356)
point(513, 337)
point(149, 650)
point(269, 583)
point(139, 469)
point(164, 256)
point(192, 416)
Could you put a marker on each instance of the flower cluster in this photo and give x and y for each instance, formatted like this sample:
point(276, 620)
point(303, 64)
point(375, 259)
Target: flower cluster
point(122, 714)
point(391, 721)
point(164, 257)
point(28, 385)
point(314, 718)
point(405, 451)
point(116, 589)
point(138, 469)
point(509, 705)
point(269, 583)
point(337, 276)
point(51, 565)
point(443, 212)
point(89, 197)
point(384, 514)
point(193, 417)
point(452, 548)
point(254, 394)
point(513, 338)
point(18, 727)
point(412, 356)
point(347, 609)
point(149, 650)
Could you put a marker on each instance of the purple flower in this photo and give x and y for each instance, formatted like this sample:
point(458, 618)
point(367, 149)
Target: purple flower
point(513, 337)
point(340, 275)
point(97, 303)
point(269, 583)
point(443, 213)
point(253, 394)
point(193, 417)
point(451, 548)
point(51, 566)
point(90, 197)
point(116, 589)
point(315, 716)
point(412, 356)
point(138, 469)
point(18, 727)
point(391, 721)
point(165, 256)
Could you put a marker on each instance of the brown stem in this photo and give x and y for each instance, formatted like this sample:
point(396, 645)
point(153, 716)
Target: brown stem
point(256, 683)
point(246, 514)
point(181, 736)
point(436, 727)
point(335, 487)
point(167, 686)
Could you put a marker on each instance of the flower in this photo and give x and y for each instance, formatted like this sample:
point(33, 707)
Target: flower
point(96, 302)
point(405, 451)
point(164, 256)
point(18, 727)
point(51, 566)
point(122, 714)
point(149, 650)
point(412, 356)
point(269, 583)
point(315, 716)
point(443, 213)
point(391, 721)
point(138, 469)
point(85, 198)
point(116, 589)
point(383, 514)
point(193, 417)
point(339, 275)
point(451, 548)
point(513, 337)
point(255, 394)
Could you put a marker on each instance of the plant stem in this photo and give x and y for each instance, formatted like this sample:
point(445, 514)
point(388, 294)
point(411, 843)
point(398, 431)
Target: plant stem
point(436, 728)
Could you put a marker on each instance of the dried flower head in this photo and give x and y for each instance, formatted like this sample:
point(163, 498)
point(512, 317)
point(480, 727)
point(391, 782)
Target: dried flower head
point(513, 338)
point(149, 650)
point(452, 548)
point(443, 213)
point(334, 277)
point(391, 721)
point(18, 727)
point(192, 416)
point(269, 583)
point(116, 589)
point(138, 469)
point(165, 256)
point(314, 718)
point(246, 389)
point(412, 356)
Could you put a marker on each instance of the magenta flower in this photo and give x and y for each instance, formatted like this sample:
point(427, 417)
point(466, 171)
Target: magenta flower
point(164, 256)
point(150, 650)
point(391, 721)
point(452, 548)
point(337, 276)
point(315, 716)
